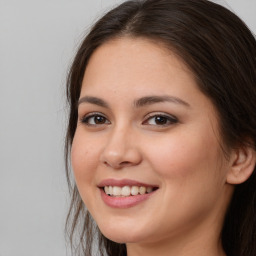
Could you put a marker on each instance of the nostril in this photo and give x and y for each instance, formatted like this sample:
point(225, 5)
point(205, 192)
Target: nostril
point(106, 163)
point(118, 165)
point(120, 159)
point(125, 163)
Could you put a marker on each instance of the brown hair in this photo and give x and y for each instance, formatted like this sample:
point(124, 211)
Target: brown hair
point(221, 52)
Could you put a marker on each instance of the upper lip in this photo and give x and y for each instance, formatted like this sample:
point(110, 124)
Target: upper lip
point(123, 182)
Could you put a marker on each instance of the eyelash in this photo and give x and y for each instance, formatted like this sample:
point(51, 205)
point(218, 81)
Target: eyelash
point(86, 118)
point(168, 119)
point(165, 120)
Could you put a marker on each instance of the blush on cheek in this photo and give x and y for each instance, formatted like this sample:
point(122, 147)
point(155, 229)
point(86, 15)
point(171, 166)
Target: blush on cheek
point(181, 160)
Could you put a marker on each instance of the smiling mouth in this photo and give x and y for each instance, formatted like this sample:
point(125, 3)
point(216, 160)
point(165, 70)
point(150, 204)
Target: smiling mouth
point(127, 191)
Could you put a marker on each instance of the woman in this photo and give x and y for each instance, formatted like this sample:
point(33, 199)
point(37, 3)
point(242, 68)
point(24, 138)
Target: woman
point(162, 132)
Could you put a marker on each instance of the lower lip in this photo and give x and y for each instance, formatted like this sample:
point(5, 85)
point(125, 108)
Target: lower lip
point(124, 202)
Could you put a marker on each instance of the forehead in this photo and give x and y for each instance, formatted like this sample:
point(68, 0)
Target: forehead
point(126, 48)
point(137, 62)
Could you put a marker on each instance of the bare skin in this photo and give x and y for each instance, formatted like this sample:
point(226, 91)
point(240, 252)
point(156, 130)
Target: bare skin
point(128, 129)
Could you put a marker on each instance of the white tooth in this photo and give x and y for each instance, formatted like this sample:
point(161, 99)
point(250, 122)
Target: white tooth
point(117, 191)
point(106, 189)
point(126, 191)
point(142, 190)
point(135, 190)
point(149, 189)
point(110, 190)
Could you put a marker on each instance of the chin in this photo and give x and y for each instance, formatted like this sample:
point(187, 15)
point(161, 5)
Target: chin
point(122, 236)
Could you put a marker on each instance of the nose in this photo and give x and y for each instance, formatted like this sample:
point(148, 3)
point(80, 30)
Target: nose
point(121, 150)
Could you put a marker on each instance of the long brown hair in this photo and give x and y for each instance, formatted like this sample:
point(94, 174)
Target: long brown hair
point(221, 52)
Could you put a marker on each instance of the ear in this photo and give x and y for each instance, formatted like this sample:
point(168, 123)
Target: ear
point(242, 165)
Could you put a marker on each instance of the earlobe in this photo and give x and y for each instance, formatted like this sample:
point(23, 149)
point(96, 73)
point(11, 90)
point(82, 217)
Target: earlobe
point(242, 165)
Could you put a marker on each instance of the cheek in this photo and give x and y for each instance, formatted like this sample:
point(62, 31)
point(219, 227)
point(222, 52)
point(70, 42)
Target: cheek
point(83, 155)
point(184, 156)
point(84, 164)
point(192, 179)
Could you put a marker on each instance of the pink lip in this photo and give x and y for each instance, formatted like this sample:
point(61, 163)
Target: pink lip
point(122, 183)
point(123, 202)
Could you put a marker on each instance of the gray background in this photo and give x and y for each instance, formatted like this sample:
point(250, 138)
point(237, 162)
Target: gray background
point(37, 42)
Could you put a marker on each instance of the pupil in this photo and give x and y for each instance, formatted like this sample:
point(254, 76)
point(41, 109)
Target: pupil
point(160, 120)
point(99, 119)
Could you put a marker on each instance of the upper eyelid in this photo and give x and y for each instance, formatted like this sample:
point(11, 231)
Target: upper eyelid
point(153, 114)
point(91, 114)
point(94, 113)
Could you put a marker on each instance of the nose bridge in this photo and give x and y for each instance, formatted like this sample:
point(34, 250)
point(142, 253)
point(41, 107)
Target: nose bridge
point(121, 149)
point(117, 140)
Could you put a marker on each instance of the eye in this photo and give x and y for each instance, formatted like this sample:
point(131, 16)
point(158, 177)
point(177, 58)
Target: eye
point(160, 120)
point(95, 119)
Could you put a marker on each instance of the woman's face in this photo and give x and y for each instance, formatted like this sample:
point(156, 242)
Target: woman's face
point(150, 138)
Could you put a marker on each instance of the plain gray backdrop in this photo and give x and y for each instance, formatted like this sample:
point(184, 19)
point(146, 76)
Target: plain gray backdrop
point(37, 42)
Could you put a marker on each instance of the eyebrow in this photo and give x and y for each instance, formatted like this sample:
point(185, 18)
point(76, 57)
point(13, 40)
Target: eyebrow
point(93, 100)
point(148, 100)
point(144, 101)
